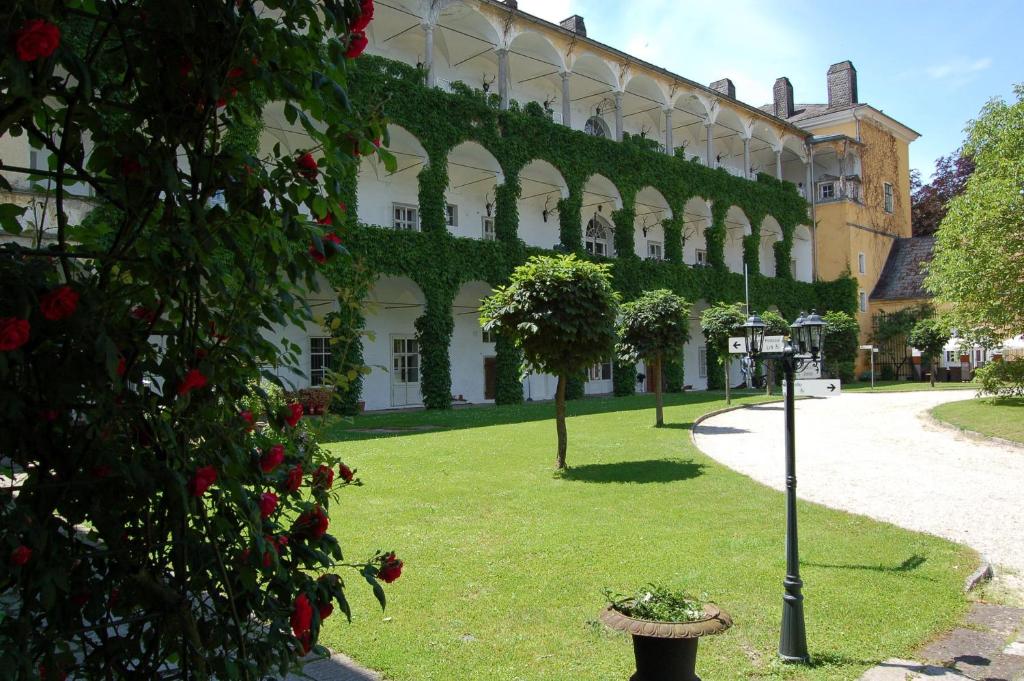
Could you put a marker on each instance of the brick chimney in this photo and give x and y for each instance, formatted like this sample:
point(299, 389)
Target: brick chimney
point(842, 85)
point(782, 93)
point(725, 86)
point(575, 24)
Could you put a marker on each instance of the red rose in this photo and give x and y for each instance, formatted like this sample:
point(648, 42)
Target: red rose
point(268, 502)
point(236, 73)
point(307, 166)
point(311, 524)
point(302, 620)
point(272, 458)
point(58, 304)
point(122, 366)
point(13, 333)
point(144, 314)
point(356, 45)
point(342, 207)
point(37, 39)
point(49, 415)
point(325, 610)
point(365, 16)
point(346, 473)
point(193, 380)
point(130, 167)
point(325, 220)
point(201, 480)
point(323, 477)
point(390, 568)
point(329, 249)
point(21, 555)
point(250, 420)
point(294, 480)
point(294, 414)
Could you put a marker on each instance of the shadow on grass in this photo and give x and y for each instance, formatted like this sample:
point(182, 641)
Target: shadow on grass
point(659, 470)
point(910, 564)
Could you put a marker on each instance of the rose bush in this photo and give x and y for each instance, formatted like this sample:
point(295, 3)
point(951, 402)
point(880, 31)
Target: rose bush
point(161, 504)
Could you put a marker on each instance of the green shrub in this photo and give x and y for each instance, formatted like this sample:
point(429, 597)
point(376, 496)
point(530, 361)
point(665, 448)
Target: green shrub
point(1002, 379)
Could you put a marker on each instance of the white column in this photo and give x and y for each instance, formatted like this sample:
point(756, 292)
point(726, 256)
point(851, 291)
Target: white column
point(809, 182)
point(618, 116)
point(778, 164)
point(709, 128)
point(746, 158)
point(566, 102)
point(428, 54)
point(503, 77)
point(668, 132)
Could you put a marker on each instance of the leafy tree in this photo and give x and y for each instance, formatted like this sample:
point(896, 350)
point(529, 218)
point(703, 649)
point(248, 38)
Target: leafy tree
point(979, 256)
point(651, 327)
point(560, 311)
point(718, 322)
point(929, 202)
point(842, 341)
point(162, 515)
point(930, 337)
point(1002, 379)
point(775, 325)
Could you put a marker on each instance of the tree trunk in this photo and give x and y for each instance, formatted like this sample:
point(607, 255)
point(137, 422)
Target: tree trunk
point(660, 420)
point(769, 378)
point(935, 367)
point(560, 423)
point(725, 365)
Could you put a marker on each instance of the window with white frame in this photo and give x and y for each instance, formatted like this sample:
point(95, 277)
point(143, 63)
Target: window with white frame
point(319, 360)
point(863, 301)
point(489, 234)
point(488, 336)
point(862, 263)
point(826, 191)
point(451, 215)
point(600, 372)
point(889, 198)
point(950, 356)
point(598, 237)
point(702, 361)
point(406, 217)
point(654, 251)
point(702, 257)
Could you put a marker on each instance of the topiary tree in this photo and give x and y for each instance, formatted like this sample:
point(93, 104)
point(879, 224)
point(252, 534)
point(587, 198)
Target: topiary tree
point(560, 311)
point(168, 512)
point(775, 325)
point(930, 337)
point(842, 338)
point(718, 322)
point(649, 328)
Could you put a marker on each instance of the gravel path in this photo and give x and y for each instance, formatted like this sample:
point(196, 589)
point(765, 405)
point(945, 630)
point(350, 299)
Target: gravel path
point(878, 455)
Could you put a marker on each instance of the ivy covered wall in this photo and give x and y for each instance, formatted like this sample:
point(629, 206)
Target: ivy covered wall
point(440, 263)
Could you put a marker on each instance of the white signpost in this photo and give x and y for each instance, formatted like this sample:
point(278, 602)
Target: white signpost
point(818, 387)
point(737, 345)
point(872, 350)
point(770, 344)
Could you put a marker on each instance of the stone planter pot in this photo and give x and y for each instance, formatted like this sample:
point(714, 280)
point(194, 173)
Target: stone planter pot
point(667, 651)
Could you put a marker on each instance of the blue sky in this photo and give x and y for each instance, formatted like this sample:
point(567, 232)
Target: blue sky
point(930, 65)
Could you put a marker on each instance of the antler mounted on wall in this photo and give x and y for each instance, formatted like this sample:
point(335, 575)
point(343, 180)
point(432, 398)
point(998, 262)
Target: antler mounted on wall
point(548, 210)
point(489, 202)
point(487, 83)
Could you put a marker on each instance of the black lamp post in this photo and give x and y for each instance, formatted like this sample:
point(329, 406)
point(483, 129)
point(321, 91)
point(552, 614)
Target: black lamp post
point(803, 347)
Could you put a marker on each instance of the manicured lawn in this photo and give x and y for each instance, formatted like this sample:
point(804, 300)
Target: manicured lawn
point(506, 562)
point(906, 386)
point(997, 418)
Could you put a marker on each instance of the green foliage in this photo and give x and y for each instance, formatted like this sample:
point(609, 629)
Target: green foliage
point(842, 338)
point(559, 310)
point(1002, 379)
point(930, 336)
point(898, 324)
point(659, 604)
point(657, 323)
point(141, 485)
point(720, 321)
point(978, 268)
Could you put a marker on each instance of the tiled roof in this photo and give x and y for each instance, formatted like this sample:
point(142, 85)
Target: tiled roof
point(902, 277)
point(802, 112)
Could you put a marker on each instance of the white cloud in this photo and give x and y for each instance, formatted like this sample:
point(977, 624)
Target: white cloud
point(958, 69)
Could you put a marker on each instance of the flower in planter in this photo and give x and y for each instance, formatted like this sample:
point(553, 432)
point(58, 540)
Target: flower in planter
point(36, 39)
point(60, 303)
point(201, 480)
point(14, 333)
point(272, 458)
point(390, 568)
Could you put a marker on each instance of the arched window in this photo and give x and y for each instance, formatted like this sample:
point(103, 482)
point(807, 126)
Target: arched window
point(598, 240)
point(597, 127)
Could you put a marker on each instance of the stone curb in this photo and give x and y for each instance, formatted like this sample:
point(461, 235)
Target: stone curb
point(932, 420)
point(718, 412)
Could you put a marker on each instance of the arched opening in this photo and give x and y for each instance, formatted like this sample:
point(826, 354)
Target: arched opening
point(771, 233)
point(643, 108)
point(534, 72)
point(600, 198)
point(472, 352)
point(396, 32)
point(473, 175)
point(648, 231)
point(390, 347)
point(729, 131)
point(794, 157)
point(737, 226)
point(688, 131)
point(696, 220)
point(592, 84)
point(541, 187)
point(464, 48)
point(764, 141)
point(802, 254)
point(392, 199)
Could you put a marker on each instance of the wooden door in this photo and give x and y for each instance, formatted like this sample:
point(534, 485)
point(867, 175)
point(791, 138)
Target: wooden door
point(490, 377)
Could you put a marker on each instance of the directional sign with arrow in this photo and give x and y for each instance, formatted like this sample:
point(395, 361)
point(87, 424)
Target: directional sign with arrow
point(820, 387)
point(737, 345)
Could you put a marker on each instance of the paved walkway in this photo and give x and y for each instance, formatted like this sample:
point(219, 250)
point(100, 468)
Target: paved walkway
point(337, 667)
point(878, 455)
